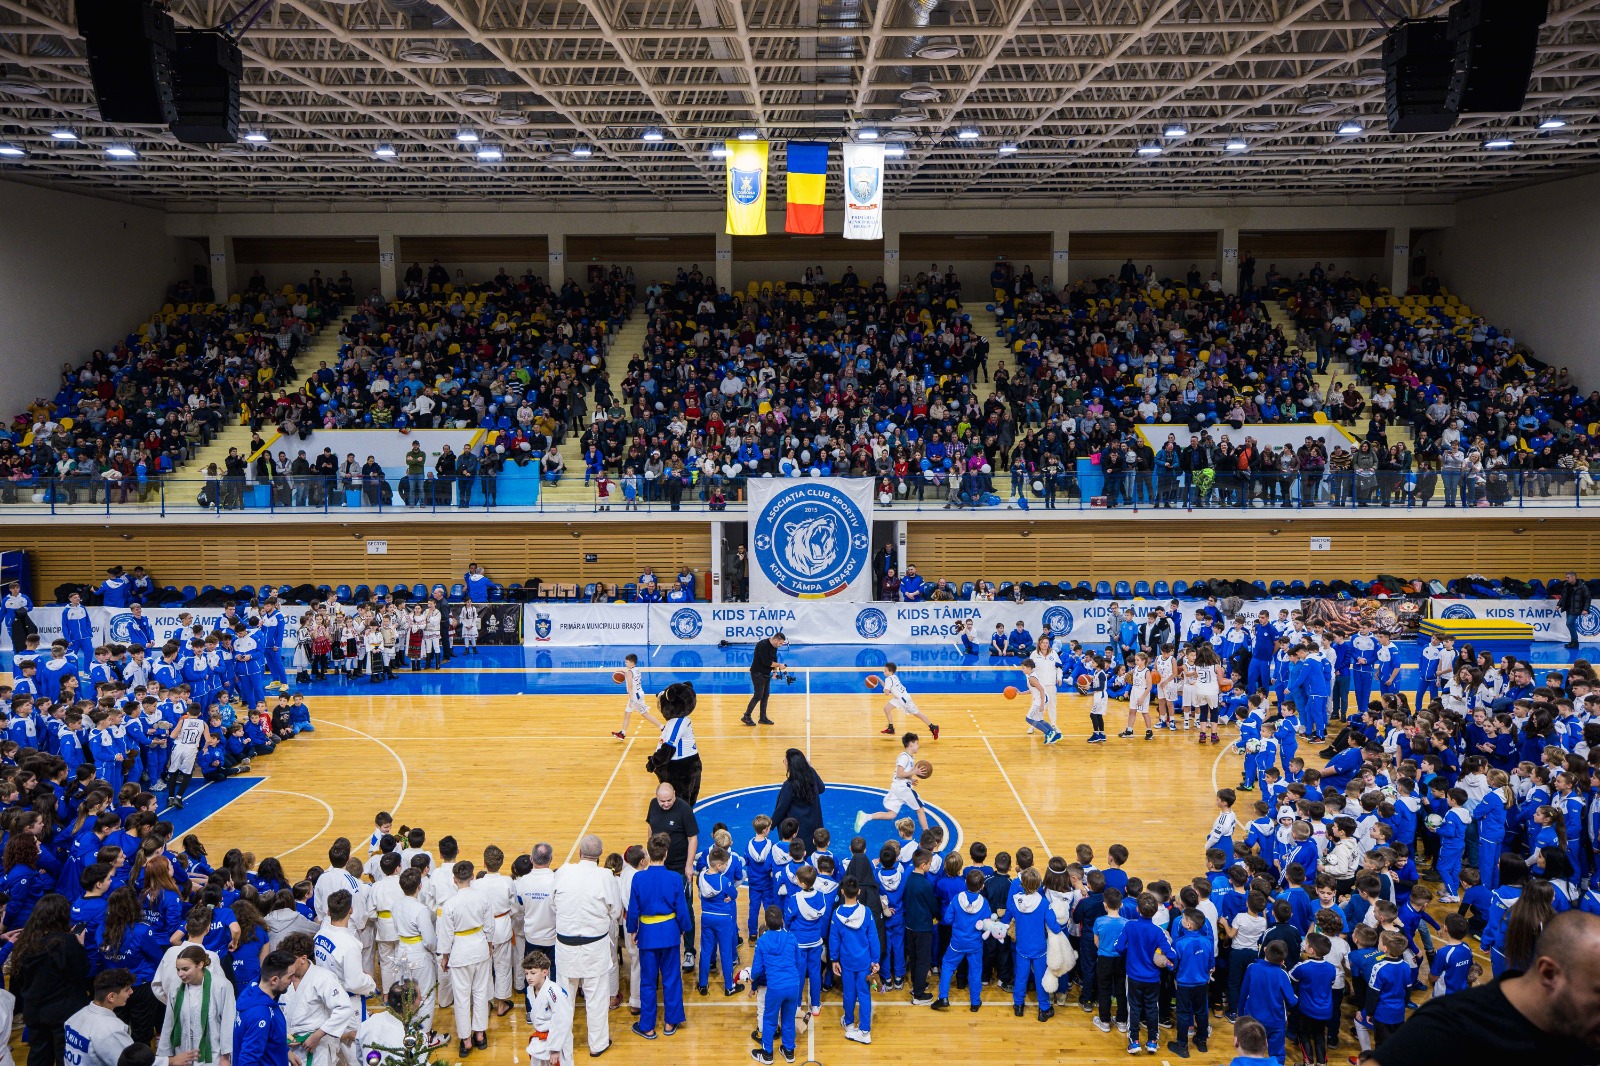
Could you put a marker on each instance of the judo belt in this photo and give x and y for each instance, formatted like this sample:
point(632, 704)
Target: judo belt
point(579, 941)
point(541, 1034)
point(502, 914)
point(411, 940)
point(385, 914)
point(656, 919)
point(469, 932)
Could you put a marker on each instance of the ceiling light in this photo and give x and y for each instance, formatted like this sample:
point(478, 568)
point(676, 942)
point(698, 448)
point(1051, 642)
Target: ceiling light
point(653, 133)
point(1351, 128)
point(476, 96)
point(921, 92)
point(424, 54)
point(1176, 130)
point(1261, 127)
point(1235, 145)
point(749, 135)
point(582, 151)
point(939, 48)
point(19, 84)
point(257, 136)
point(121, 151)
point(12, 151)
point(909, 116)
point(1494, 144)
point(64, 133)
point(968, 133)
point(719, 151)
point(510, 118)
point(1316, 102)
point(1150, 148)
point(384, 151)
point(467, 135)
point(1554, 122)
point(1007, 148)
point(893, 151)
point(489, 153)
point(867, 133)
point(1369, 77)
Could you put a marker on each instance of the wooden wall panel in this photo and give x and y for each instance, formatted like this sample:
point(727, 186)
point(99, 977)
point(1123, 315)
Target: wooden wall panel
point(683, 248)
point(1316, 244)
point(917, 250)
point(1141, 247)
point(289, 554)
point(519, 248)
point(827, 248)
point(305, 249)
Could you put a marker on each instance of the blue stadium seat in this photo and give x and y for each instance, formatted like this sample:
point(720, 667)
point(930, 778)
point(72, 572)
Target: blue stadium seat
point(419, 591)
point(496, 593)
point(283, 591)
point(189, 592)
point(1361, 587)
point(229, 590)
point(323, 590)
point(458, 592)
point(1259, 585)
point(342, 594)
point(1004, 591)
point(1141, 588)
point(1084, 586)
point(1297, 587)
point(381, 591)
point(1180, 588)
point(967, 589)
point(630, 592)
point(1102, 589)
point(1123, 590)
point(207, 588)
point(588, 591)
point(1277, 588)
point(1162, 589)
point(247, 592)
point(362, 592)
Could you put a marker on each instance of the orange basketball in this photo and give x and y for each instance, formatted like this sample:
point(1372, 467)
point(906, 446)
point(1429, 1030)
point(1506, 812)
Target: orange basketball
point(923, 769)
point(1010, 692)
point(1155, 677)
point(619, 677)
point(873, 681)
point(1083, 680)
point(1225, 685)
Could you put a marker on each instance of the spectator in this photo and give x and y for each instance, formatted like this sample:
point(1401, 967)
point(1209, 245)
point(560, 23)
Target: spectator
point(1574, 603)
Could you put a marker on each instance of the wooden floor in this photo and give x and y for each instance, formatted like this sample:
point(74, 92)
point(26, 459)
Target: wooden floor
point(513, 770)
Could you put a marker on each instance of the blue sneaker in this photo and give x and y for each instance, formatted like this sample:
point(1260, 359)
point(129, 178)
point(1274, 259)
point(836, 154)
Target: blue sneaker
point(1151, 1047)
point(1133, 1047)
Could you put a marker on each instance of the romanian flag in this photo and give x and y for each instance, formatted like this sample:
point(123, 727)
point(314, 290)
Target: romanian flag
point(808, 182)
point(747, 188)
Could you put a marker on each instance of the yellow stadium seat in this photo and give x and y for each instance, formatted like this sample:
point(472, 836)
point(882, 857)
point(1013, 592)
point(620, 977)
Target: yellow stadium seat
point(1319, 418)
point(754, 288)
point(68, 422)
point(259, 320)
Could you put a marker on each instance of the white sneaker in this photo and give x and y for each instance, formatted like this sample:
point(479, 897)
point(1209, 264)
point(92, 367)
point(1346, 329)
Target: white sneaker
point(816, 1011)
point(860, 1036)
point(1104, 1027)
point(1122, 1027)
point(861, 820)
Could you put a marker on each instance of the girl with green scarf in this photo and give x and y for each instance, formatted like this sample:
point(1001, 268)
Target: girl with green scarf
point(201, 1013)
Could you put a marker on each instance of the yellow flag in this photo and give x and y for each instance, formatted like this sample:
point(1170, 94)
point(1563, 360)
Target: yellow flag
point(747, 188)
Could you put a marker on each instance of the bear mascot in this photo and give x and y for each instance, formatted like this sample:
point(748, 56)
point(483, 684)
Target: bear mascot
point(682, 771)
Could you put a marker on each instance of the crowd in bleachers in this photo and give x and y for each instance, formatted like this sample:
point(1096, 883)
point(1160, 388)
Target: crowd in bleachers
point(129, 415)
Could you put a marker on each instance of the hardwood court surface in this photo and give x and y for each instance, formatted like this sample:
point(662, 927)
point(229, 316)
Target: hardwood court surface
point(513, 770)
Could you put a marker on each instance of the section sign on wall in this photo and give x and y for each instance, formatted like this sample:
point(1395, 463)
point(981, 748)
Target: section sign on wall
point(811, 539)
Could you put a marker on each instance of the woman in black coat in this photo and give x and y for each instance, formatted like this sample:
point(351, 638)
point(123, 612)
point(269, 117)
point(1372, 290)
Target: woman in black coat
point(49, 977)
point(800, 798)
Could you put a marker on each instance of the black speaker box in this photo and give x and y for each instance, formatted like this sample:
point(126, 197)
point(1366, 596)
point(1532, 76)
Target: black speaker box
point(130, 45)
point(1494, 44)
point(205, 80)
point(1417, 65)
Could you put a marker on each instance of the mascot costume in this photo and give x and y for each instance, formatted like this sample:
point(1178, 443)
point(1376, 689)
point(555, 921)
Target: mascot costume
point(677, 760)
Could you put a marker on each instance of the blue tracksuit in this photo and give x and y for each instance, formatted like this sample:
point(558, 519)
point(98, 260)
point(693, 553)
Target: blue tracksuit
point(1490, 817)
point(964, 915)
point(777, 962)
point(719, 924)
point(1388, 657)
point(758, 867)
point(1250, 729)
point(853, 946)
point(1266, 995)
point(1034, 921)
point(270, 637)
point(805, 913)
point(105, 749)
point(1317, 686)
point(1452, 846)
point(115, 591)
point(1140, 941)
point(1262, 648)
point(892, 891)
point(478, 591)
point(1363, 667)
point(1386, 991)
point(260, 1033)
point(1192, 975)
point(1288, 741)
point(249, 668)
point(658, 913)
point(77, 628)
point(1313, 982)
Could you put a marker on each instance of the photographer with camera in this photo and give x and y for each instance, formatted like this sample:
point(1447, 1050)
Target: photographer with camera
point(761, 670)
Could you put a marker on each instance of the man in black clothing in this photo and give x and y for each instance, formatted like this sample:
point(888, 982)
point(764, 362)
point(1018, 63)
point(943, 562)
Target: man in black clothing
point(674, 816)
point(1548, 1015)
point(920, 906)
point(761, 670)
point(1574, 602)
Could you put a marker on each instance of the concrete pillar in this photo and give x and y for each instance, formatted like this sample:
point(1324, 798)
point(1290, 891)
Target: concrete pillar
point(1399, 260)
point(724, 260)
point(1228, 259)
point(1060, 260)
point(557, 243)
point(716, 562)
point(891, 259)
point(222, 268)
point(388, 268)
point(900, 546)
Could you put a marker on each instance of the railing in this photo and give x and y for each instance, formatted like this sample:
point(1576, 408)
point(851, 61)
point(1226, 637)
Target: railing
point(1039, 494)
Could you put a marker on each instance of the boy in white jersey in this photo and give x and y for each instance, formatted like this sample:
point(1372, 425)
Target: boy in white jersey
point(1139, 695)
point(633, 680)
point(1036, 703)
point(188, 738)
point(902, 791)
point(1047, 668)
point(1166, 665)
point(895, 689)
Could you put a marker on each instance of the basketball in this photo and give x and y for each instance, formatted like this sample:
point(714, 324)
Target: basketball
point(1155, 678)
point(923, 769)
point(619, 677)
point(873, 681)
point(1010, 692)
point(1225, 685)
point(1083, 681)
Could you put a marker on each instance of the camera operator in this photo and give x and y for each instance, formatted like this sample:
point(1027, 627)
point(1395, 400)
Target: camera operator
point(761, 670)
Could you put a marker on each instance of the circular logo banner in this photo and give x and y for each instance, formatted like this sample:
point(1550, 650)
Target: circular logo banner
point(811, 540)
point(839, 805)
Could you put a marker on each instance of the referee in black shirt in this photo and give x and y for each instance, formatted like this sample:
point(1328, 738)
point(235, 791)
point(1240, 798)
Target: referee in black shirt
point(761, 670)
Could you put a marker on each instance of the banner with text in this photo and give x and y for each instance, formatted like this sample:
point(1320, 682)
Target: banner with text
point(1543, 615)
point(811, 539)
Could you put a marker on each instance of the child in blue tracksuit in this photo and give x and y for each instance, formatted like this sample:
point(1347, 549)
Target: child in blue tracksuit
point(1250, 731)
point(891, 873)
point(1387, 985)
point(1034, 920)
point(1196, 958)
point(806, 914)
point(1453, 844)
point(1313, 979)
point(1490, 817)
point(1266, 995)
point(758, 855)
point(966, 915)
point(853, 947)
point(1143, 946)
point(1287, 734)
point(719, 920)
point(776, 965)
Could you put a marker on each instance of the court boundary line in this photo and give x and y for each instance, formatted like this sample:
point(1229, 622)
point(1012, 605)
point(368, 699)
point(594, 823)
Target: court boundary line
point(303, 795)
point(405, 776)
point(615, 770)
point(219, 810)
point(1014, 793)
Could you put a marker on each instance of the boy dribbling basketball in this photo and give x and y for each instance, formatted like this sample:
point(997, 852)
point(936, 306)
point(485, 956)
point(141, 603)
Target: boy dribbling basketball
point(902, 791)
point(899, 698)
point(1139, 695)
point(633, 678)
point(1038, 703)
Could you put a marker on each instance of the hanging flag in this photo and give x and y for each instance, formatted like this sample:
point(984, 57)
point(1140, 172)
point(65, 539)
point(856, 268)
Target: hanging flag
point(807, 186)
point(747, 188)
point(863, 192)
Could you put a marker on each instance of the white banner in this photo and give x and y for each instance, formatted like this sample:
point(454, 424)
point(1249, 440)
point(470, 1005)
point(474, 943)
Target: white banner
point(566, 625)
point(1543, 615)
point(810, 539)
point(863, 192)
point(112, 624)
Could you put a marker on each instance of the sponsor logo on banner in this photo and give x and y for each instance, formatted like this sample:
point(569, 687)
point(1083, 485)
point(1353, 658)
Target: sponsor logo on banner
point(811, 540)
point(542, 627)
point(738, 807)
point(120, 628)
point(863, 183)
point(686, 624)
point(1059, 619)
point(871, 623)
point(1458, 611)
point(1589, 623)
point(746, 186)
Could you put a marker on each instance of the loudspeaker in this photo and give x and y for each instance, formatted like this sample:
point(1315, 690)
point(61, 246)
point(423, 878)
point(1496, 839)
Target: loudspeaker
point(1417, 64)
point(205, 81)
point(130, 45)
point(1495, 42)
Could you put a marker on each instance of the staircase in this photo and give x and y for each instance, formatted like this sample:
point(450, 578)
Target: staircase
point(571, 492)
point(185, 487)
point(986, 326)
point(1339, 369)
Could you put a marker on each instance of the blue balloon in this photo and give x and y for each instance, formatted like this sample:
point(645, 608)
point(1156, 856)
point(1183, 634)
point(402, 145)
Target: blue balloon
point(926, 465)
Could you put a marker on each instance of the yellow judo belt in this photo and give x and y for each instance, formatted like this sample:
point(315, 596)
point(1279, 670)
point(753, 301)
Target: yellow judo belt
point(656, 919)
